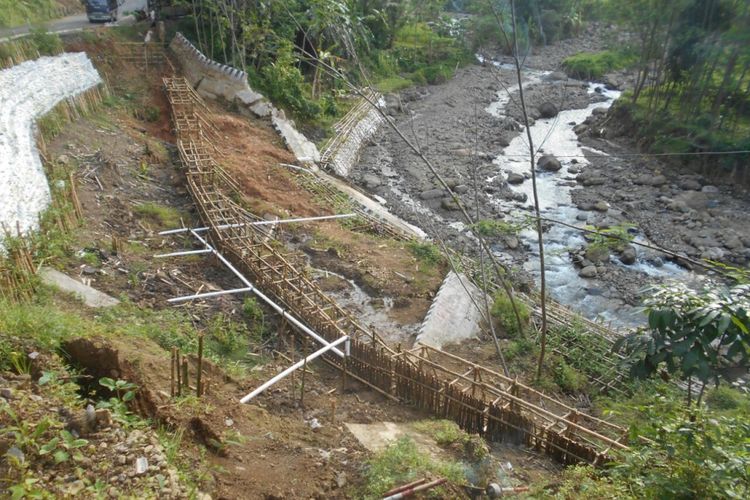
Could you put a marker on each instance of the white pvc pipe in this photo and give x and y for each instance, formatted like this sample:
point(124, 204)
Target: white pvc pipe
point(259, 223)
point(209, 294)
point(295, 366)
point(264, 298)
point(181, 254)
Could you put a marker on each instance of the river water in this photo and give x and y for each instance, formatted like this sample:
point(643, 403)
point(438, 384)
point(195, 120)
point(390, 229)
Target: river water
point(555, 136)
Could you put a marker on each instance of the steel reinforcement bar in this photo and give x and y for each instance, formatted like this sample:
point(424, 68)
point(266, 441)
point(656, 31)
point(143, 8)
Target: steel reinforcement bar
point(480, 400)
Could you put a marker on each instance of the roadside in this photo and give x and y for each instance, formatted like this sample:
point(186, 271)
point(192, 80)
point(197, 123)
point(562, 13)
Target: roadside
point(76, 22)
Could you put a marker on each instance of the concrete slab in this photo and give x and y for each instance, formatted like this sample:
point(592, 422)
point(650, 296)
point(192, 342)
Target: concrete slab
point(90, 296)
point(373, 206)
point(378, 436)
point(452, 317)
point(303, 149)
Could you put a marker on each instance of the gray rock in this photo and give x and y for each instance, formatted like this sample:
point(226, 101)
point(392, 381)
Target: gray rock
point(88, 270)
point(651, 180)
point(449, 204)
point(548, 110)
point(461, 188)
point(432, 194)
point(689, 184)
point(371, 181)
point(580, 128)
point(6, 393)
point(597, 255)
point(588, 179)
point(512, 242)
point(549, 163)
point(733, 242)
point(514, 178)
point(522, 197)
point(599, 111)
point(713, 253)
point(600, 206)
point(629, 255)
point(588, 272)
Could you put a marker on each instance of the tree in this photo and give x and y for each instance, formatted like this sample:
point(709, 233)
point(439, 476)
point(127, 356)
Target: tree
point(703, 336)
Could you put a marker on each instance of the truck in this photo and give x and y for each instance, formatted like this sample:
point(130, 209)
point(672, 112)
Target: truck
point(102, 10)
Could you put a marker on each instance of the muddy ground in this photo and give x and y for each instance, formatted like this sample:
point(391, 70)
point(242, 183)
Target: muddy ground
point(669, 205)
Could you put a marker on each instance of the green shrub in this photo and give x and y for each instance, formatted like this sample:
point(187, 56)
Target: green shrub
point(568, 378)
point(726, 398)
point(159, 214)
point(48, 44)
point(495, 228)
point(426, 252)
point(594, 65)
point(284, 84)
point(502, 309)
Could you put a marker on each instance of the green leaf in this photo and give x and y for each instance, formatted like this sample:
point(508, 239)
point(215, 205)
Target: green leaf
point(48, 447)
point(40, 429)
point(128, 396)
point(46, 378)
point(61, 456)
point(108, 383)
point(740, 325)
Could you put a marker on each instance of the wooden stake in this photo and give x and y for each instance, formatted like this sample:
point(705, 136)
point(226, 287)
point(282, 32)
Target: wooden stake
point(304, 371)
point(200, 366)
point(179, 374)
point(185, 381)
point(333, 410)
point(171, 372)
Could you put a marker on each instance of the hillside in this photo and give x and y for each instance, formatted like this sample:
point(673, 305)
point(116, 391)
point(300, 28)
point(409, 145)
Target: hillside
point(302, 251)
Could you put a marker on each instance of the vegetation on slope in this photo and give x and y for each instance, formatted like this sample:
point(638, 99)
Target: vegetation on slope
point(18, 12)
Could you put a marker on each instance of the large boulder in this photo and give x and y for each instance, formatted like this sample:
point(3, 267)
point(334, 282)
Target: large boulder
point(514, 178)
point(597, 254)
point(549, 163)
point(547, 110)
point(628, 255)
point(588, 272)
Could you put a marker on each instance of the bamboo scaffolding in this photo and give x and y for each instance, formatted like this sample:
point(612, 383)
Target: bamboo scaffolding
point(478, 399)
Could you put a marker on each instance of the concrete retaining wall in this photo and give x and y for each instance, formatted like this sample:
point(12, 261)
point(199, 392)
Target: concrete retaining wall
point(214, 80)
point(452, 317)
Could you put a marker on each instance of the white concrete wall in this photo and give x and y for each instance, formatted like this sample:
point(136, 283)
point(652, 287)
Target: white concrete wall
point(452, 317)
point(27, 92)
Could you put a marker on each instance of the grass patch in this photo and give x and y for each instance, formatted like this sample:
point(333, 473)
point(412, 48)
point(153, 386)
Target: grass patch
point(594, 65)
point(392, 84)
point(426, 253)
point(495, 228)
point(502, 309)
point(448, 434)
point(160, 214)
point(401, 463)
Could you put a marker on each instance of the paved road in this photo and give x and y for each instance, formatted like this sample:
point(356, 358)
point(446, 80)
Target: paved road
point(77, 22)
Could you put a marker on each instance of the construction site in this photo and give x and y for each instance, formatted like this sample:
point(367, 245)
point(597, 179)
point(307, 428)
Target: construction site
point(198, 303)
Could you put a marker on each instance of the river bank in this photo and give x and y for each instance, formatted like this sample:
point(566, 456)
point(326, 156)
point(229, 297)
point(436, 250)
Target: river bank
point(470, 128)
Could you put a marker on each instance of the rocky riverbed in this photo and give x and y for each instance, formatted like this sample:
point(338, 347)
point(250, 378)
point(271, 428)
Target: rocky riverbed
point(470, 128)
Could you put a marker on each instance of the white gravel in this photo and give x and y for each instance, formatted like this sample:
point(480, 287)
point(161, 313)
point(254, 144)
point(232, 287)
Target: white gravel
point(27, 92)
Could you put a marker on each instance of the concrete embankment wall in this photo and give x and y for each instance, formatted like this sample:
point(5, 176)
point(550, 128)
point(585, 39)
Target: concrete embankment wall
point(28, 91)
point(342, 152)
point(214, 80)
